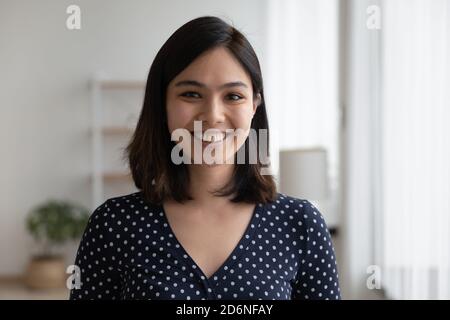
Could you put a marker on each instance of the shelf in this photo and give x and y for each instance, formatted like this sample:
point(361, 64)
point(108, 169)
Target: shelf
point(114, 176)
point(101, 132)
point(117, 176)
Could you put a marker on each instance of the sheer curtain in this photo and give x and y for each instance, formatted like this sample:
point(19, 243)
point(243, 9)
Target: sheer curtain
point(397, 130)
point(413, 236)
point(300, 74)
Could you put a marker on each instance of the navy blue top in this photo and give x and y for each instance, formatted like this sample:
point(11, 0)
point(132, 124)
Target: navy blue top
point(129, 251)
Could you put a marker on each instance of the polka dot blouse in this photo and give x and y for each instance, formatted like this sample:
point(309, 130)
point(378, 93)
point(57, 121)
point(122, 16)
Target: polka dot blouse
point(128, 251)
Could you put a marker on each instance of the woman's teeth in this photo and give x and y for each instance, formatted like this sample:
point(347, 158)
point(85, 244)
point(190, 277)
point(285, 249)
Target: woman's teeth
point(210, 136)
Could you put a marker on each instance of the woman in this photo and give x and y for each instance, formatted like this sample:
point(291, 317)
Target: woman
point(202, 229)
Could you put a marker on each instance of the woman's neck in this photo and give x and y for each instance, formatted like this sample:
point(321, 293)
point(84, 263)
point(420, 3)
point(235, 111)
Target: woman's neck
point(204, 180)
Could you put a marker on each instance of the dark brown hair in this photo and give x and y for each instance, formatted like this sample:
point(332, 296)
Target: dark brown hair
point(150, 148)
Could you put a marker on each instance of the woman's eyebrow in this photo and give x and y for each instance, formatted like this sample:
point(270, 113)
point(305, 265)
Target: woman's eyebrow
point(202, 85)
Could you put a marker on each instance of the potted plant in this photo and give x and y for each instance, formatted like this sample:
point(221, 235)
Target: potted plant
point(52, 224)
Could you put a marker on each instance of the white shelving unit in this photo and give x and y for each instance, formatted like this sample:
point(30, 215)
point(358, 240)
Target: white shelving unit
point(104, 130)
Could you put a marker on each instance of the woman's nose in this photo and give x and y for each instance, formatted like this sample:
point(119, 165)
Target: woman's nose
point(212, 112)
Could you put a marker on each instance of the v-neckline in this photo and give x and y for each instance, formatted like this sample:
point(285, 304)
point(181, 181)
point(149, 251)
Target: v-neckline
point(242, 243)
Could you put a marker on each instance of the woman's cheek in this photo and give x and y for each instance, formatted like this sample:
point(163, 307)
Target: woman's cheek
point(243, 118)
point(178, 116)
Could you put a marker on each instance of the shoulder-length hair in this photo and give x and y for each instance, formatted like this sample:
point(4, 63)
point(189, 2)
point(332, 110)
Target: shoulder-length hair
point(149, 149)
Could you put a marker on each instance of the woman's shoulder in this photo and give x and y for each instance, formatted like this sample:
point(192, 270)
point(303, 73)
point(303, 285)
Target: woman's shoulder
point(128, 207)
point(299, 211)
point(284, 203)
point(130, 201)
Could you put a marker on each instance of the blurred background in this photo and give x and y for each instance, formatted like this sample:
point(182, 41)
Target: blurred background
point(358, 98)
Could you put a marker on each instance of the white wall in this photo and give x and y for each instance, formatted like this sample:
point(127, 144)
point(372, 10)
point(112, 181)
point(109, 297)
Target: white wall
point(44, 96)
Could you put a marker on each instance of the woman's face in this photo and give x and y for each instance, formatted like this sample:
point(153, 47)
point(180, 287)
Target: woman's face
point(215, 90)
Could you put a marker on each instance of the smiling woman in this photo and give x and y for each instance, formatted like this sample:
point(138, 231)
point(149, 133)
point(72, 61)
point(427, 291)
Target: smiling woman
point(217, 100)
point(204, 231)
point(206, 71)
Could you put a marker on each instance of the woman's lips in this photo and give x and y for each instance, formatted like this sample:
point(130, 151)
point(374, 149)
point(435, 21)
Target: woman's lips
point(210, 137)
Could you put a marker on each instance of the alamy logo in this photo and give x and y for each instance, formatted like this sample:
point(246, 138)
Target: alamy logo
point(373, 21)
point(214, 146)
point(374, 279)
point(73, 21)
point(74, 280)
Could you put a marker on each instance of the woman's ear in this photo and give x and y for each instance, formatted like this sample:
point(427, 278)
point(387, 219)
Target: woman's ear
point(256, 102)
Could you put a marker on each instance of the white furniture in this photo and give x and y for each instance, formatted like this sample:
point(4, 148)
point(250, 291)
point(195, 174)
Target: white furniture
point(304, 174)
point(115, 108)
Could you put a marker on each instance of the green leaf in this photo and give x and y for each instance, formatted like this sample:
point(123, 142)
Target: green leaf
point(56, 222)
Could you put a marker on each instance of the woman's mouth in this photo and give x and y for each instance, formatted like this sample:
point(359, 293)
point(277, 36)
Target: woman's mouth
point(210, 136)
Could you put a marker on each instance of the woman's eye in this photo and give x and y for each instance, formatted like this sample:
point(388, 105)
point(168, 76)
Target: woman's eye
point(190, 94)
point(234, 97)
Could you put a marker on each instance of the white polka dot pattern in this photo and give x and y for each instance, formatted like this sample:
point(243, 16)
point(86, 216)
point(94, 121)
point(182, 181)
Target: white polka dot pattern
point(128, 251)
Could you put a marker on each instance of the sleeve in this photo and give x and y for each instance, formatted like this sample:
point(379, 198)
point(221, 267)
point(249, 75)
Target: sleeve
point(95, 264)
point(317, 277)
